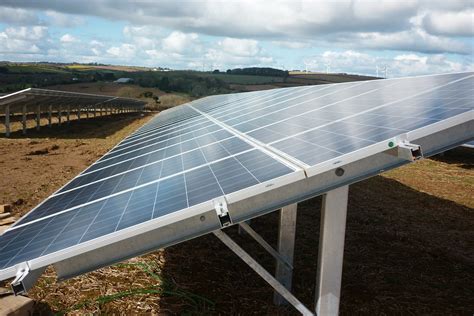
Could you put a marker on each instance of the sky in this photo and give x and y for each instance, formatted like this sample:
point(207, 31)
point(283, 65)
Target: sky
point(408, 37)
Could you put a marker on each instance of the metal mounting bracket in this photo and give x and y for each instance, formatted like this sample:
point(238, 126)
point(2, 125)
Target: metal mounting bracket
point(220, 205)
point(406, 150)
point(25, 278)
point(409, 151)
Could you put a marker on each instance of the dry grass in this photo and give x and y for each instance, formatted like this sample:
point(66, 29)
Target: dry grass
point(129, 91)
point(135, 285)
point(171, 100)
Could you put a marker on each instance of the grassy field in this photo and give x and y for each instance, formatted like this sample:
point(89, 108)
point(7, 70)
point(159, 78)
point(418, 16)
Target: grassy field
point(127, 90)
point(243, 79)
point(30, 68)
point(82, 67)
point(17, 76)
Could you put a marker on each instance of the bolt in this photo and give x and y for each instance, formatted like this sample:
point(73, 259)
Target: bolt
point(339, 172)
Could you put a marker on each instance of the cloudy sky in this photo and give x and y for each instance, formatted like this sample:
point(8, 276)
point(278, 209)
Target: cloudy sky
point(410, 37)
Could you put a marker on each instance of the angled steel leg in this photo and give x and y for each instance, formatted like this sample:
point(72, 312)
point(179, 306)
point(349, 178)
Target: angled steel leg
point(331, 251)
point(249, 230)
point(262, 272)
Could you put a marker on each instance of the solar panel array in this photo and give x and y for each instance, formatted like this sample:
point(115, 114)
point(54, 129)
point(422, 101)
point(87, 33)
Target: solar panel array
point(223, 144)
point(31, 98)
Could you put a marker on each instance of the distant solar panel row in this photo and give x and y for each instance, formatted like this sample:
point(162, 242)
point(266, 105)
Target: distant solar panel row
point(219, 145)
point(31, 98)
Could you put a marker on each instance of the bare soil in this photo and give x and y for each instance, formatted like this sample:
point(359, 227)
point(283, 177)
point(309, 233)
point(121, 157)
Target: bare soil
point(408, 244)
point(34, 166)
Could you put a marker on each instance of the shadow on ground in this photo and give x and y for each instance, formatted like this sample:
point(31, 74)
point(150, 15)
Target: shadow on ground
point(406, 252)
point(463, 156)
point(92, 127)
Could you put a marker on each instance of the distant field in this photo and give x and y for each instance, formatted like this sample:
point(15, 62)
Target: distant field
point(126, 90)
point(98, 67)
point(79, 77)
point(243, 79)
point(27, 68)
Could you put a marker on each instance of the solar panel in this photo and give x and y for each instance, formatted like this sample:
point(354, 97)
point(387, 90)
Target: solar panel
point(253, 151)
point(469, 144)
point(32, 97)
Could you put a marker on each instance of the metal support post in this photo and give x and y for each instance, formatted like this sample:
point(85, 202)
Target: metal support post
point(7, 120)
point(94, 112)
point(87, 113)
point(79, 114)
point(262, 272)
point(50, 110)
point(59, 115)
point(38, 117)
point(23, 119)
point(331, 251)
point(286, 248)
point(68, 113)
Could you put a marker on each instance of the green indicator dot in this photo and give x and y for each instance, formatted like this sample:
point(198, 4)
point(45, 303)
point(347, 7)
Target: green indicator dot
point(390, 144)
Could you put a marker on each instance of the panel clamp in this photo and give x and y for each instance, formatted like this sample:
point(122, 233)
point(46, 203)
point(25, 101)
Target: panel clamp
point(409, 151)
point(220, 205)
point(25, 278)
point(402, 148)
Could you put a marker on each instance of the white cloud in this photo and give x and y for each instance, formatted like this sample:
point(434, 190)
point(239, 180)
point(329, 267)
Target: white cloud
point(96, 43)
point(450, 23)
point(122, 52)
point(400, 65)
point(411, 64)
point(64, 20)
point(27, 33)
point(232, 52)
point(247, 18)
point(144, 37)
point(68, 39)
point(292, 44)
point(18, 16)
point(227, 34)
point(239, 47)
point(415, 40)
point(178, 42)
point(23, 40)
